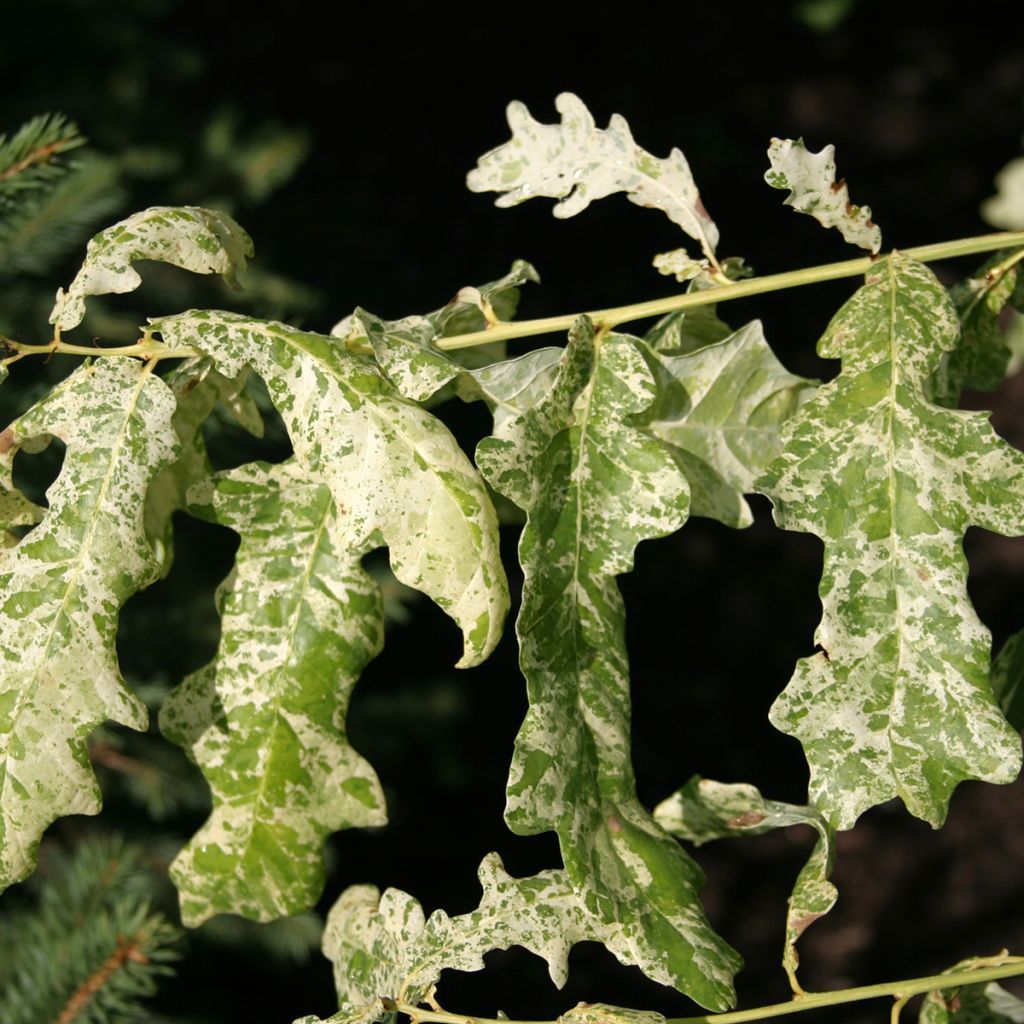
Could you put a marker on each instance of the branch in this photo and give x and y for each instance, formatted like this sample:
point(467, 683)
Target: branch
point(127, 950)
point(755, 286)
point(901, 991)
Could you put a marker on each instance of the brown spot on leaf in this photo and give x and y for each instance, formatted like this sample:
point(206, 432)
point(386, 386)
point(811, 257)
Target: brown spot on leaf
point(7, 441)
point(837, 186)
point(801, 924)
point(747, 819)
point(614, 824)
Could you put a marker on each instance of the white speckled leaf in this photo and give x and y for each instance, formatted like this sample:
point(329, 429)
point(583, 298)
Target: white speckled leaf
point(382, 947)
point(604, 1013)
point(703, 810)
point(196, 239)
point(396, 474)
point(593, 487)
point(300, 619)
point(1006, 208)
point(576, 162)
point(811, 179)
point(719, 410)
point(897, 702)
point(61, 589)
point(984, 1003)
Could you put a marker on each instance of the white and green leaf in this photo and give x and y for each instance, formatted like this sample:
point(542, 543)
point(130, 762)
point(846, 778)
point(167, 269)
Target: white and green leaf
point(61, 589)
point(300, 619)
point(593, 486)
point(1006, 208)
point(719, 410)
point(1008, 679)
point(190, 237)
point(898, 701)
point(397, 476)
point(703, 810)
point(576, 162)
point(811, 179)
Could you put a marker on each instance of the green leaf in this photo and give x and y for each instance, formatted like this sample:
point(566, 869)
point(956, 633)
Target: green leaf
point(897, 702)
point(719, 411)
point(396, 474)
point(593, 487)
point(1007, 679)
point(973, 1004)
point(203, 241)
point(981, 358)
point(60, 592)
point(811, 179)
point(300, 619)
point(578, 163)
point(703, 810)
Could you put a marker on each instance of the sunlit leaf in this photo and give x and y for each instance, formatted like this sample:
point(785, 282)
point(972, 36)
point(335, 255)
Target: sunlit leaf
point(61, 590)
point(811, 179)
point(577, 162)
point(203, 241)
point(897, 702)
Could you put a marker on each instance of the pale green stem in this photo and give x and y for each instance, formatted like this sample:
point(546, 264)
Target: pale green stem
point(741, 289)
point(146, 350)
point(901, 991)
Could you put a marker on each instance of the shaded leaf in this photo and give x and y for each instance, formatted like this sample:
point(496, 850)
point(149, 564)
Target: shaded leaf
point(60, 592)
point(396, 474)
point(300, 619)
point(703, 810)
point(719, 410)
point(203, 241)
point(576, 162)
point(897, 702)
point(593, 487)
point(1007, 679)
point(811, 179)
point(984, 1003)
point(982, 355)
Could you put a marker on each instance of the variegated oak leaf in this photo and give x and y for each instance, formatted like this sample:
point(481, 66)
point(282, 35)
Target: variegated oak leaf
point(61, 588)
point(703, 810)
point(577, 162)
point(1006, 208)
point(196, 239)
point(300, 619)
point(593, 486)
point(897, 702)
point(811, 179)
point(397, 476)
point(719, 410)
point(385, 951)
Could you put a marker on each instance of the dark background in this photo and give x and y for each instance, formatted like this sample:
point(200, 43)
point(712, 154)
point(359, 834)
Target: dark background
point(397, 101)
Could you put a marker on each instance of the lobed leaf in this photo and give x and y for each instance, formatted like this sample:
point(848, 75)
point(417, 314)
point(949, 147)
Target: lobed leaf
point(384, 950)
point(300, 619)
point(1008, 680)
point(897, 702)
point(203, 241)
point(811, 179)
point(396, 474)
point(703, 810)
point(61, 589)
point(593, 487)
point(576, 162)
point(719, 410)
